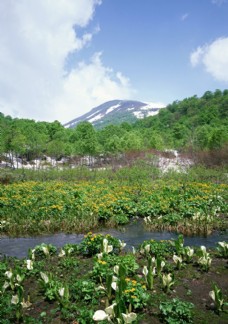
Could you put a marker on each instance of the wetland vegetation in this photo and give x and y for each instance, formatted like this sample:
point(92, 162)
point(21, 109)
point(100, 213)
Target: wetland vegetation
point(97, 279)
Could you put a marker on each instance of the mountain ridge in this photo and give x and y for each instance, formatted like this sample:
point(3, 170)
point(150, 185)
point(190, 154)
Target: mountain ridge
point(115, 112)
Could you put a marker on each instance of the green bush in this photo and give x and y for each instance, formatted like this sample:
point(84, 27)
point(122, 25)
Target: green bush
point(176, 311)
point(93, 244)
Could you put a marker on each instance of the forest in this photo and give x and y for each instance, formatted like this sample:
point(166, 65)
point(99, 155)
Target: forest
point(193, 124)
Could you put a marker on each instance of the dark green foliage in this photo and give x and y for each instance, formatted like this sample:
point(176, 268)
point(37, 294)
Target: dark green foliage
point(176, 311)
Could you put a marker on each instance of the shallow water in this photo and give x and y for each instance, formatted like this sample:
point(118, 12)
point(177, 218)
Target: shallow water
point(133, 234)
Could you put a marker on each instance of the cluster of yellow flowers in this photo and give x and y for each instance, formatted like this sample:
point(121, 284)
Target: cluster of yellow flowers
point(37, 200)
point(102, 262)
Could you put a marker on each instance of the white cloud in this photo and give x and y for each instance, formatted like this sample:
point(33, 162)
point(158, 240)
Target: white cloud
point(89, 85)
point(218, 2)
point(196, 56)
point(214, 58)
point(36, 38)
point(184, 16)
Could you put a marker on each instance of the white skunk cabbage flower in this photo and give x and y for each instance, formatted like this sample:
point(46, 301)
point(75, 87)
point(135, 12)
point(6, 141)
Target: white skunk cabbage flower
point(62, 253)
point(205, 260)
point(110, 310)
point(166, 279)
point(129, 318)
point(100, 315)
point(114, 278)
point(203, 249)
point(70, 250)
point(177, 259)
point(145, 271)
point(116, 269)
point(100, 288)
point(105, 242)
point(114, 285)
point(45, 250)
point(9, 274)
point(26, 304)
point(122, 244)
point(189, 251)
point(107, 248)
point(223, 244)
point(5, 286)
point(162, 264)
point(44, 277)
point(33, 254)
point(19, 278)
point(61, 292)
point(147, 248)
point(15, 299)
point(29, 264)
point(212, 295)
point(99, 256)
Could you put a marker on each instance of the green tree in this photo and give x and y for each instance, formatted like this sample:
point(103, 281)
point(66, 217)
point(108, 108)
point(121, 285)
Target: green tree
point(85, 139)
point(132, 141)
point(202, 137)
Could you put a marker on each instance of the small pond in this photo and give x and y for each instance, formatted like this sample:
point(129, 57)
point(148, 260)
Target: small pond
point(133, 234)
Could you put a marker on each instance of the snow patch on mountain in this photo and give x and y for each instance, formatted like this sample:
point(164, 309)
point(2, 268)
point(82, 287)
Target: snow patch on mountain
point(99, 116)
point(112, 108)
point(138, 114)
point(151, 113)
point(92, 114)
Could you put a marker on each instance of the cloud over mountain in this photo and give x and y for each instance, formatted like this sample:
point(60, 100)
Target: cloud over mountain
point(36, 39)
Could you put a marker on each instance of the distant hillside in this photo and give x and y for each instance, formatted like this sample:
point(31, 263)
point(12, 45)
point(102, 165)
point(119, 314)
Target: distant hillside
point(116, 112)
point(201, 123)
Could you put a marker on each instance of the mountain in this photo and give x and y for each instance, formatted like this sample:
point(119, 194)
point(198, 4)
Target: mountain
point(116, 112)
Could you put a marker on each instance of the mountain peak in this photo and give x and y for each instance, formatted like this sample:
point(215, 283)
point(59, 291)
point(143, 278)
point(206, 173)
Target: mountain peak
point(116, 112)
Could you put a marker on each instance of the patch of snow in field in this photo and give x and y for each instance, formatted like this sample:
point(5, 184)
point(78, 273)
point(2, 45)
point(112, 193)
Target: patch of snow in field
point(176, 164)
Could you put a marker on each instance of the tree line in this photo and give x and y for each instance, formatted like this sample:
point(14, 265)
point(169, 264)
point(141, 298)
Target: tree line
point(193, 123)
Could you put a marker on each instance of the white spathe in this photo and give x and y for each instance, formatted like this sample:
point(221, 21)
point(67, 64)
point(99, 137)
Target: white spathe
point(129, 318)
point(100, 315)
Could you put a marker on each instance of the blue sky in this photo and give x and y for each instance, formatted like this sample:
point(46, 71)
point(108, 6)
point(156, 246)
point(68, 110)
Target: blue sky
point(150, 41)
point(61, 58)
